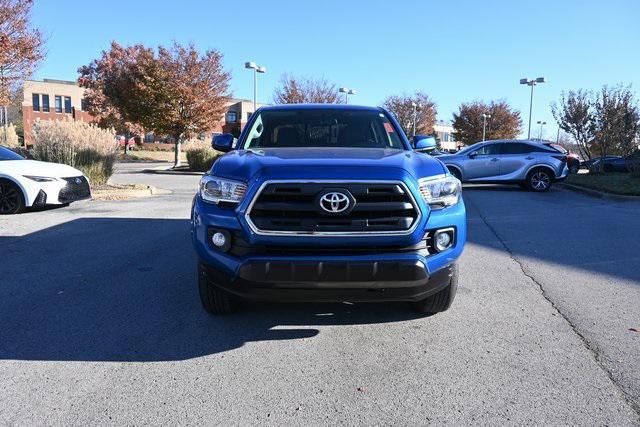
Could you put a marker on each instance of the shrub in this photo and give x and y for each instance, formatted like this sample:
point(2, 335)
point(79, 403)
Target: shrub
point(82, 145)
point(11, 139)
point(633, 164)
point(200, 155)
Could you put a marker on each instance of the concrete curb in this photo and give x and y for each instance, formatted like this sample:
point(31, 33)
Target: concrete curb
point(127, 194)
point(598, 194)
point(171, 172)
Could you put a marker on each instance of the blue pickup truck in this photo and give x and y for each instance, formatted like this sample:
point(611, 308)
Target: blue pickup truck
point(326, 203)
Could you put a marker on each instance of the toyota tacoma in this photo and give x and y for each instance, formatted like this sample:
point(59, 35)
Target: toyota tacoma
point(326, 203)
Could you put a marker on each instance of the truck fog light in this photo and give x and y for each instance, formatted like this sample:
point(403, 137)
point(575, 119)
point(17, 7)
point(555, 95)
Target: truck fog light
point(218, 239)
point(443, 239)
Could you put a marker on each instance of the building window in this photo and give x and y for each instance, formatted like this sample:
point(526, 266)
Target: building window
point(232, 117)
point(67, 104)
point(45, 103)
point(83, 104)
point(35, 101)
point(249, 113)
point(58, 103)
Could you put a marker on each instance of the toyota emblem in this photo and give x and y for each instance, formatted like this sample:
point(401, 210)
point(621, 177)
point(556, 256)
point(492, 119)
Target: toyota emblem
point(335, 202)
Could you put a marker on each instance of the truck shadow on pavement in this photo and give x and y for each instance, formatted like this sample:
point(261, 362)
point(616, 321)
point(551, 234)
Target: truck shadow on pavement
point(124, 289)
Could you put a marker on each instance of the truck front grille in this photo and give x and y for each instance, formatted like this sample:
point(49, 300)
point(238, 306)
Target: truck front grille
point(295, 208)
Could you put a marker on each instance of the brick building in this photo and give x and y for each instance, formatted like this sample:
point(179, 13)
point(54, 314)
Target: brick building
point(51, 100)
point(64, 100)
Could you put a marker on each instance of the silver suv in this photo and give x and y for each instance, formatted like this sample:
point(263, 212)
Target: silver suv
point(528, 163)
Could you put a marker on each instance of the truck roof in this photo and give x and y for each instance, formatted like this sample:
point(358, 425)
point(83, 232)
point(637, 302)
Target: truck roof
point(281, 107)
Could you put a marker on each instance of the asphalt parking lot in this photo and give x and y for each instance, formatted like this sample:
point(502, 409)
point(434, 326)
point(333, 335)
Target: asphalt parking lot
point(100, 323)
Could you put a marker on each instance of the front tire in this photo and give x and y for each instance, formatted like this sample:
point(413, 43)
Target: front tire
point(11, 198)
point(214, 300)
point(442, 300)
point(539, 180)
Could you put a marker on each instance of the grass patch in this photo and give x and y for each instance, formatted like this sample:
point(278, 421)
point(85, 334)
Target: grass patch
point(615, 183)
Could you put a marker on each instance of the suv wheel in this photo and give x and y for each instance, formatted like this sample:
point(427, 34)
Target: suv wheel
point(214, 300)
point(442, 300)
point(11, 198)
point(539, 180)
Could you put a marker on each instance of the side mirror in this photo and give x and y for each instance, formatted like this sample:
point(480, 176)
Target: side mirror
point(424, 142)
point(223, 142)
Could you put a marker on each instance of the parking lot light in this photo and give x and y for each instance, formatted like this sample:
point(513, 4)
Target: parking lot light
point(532, 83)
point(347, 92)
point(256, 69)
point(485, 116)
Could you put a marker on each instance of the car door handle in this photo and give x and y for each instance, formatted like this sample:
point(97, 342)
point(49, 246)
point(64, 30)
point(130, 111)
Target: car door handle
point(495, 159)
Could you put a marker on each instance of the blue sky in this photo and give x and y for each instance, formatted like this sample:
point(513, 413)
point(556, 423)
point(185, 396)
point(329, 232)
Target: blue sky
point(455, 51)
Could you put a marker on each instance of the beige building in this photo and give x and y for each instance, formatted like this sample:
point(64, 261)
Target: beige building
point(51, 100)
point(444, 132)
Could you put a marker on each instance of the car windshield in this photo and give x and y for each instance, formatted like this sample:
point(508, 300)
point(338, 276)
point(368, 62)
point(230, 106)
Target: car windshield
point(325, 127)
point(6, 154)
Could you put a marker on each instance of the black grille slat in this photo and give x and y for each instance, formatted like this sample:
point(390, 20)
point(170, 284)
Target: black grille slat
point(293, 207)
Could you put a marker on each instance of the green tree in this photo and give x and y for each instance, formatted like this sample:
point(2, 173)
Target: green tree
point(504, 123)
point(574, 115)
point(616, 120)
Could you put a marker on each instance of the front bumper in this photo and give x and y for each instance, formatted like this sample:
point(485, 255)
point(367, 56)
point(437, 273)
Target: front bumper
point(317, 281)
point(337, 268)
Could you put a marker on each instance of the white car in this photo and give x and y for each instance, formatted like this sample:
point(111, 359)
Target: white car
point(25, 183)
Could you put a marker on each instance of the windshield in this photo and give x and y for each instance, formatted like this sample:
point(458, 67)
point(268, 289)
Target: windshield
point(322, 128)
point(6, 154)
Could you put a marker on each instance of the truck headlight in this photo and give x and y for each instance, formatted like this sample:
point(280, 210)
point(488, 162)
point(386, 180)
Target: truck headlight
point(441, 191)
point(214, 190)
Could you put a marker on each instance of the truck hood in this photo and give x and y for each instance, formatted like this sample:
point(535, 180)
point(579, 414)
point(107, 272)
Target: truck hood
point(243, 165)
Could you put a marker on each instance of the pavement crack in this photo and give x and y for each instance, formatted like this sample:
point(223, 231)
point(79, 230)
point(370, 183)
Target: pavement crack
point(594, 353)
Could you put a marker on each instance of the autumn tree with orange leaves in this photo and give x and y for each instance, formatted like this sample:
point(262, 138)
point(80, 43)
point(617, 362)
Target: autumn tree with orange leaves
point(171, 91)
point(21, 48)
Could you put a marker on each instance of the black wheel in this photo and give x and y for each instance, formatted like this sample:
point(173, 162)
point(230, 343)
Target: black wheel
point(455, 172)
point(441, 301)
point(214, 300)
point(539, 180)
point(11, 198)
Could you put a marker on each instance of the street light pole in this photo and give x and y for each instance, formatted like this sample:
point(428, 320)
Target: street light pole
point(256, 69)
point(415, 117)
point(347, 92)
point(532, 83)
point(485, 116)
point(541, 123)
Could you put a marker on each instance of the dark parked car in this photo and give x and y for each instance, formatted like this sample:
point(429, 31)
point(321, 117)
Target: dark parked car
point(588, 163)
point(616, 164)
